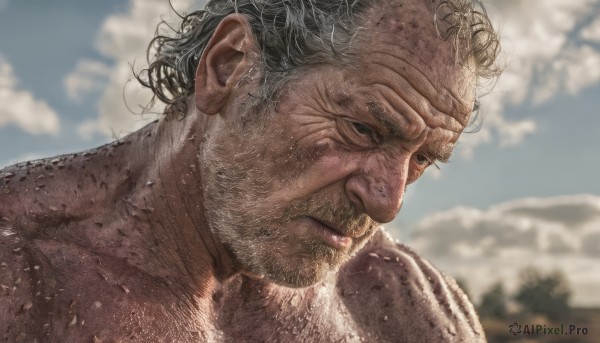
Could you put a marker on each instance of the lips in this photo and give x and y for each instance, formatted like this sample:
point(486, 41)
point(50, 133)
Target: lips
point(330, 235)
point(346, 232)
point(331, 227)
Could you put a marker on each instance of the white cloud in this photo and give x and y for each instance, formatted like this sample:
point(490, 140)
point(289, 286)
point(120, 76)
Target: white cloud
point(88, 76)
point(20, 108)
point(592, 31)
point(542, 62)
point(124, 38)
point(484, 246)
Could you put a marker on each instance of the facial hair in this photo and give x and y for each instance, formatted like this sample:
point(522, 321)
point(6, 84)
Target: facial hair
point(261, 237)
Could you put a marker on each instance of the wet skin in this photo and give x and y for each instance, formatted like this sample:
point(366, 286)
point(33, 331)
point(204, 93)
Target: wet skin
point(154, 238)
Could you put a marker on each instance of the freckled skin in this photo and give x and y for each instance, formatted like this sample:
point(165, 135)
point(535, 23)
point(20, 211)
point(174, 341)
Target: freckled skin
point(191, 230)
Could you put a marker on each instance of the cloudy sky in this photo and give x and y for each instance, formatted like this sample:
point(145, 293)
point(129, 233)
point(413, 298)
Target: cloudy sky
point(524, 190)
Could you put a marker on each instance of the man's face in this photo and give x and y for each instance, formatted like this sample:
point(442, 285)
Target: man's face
point(296, 192)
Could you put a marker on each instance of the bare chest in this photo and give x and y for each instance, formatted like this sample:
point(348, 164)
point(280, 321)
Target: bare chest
point(255, 314)
point(258, 312)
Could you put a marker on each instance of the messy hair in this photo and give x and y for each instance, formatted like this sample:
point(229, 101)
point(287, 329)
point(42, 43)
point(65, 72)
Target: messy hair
point(296, 34)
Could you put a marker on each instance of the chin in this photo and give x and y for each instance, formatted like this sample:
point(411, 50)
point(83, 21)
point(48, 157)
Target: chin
point(300, 278)
point(300, 271)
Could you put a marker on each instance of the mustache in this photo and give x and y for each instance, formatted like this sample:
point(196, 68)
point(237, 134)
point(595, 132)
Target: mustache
point(343, 213)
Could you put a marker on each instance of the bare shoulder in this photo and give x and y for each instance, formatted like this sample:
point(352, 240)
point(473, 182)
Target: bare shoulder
point(396, 295)
point(19, 306)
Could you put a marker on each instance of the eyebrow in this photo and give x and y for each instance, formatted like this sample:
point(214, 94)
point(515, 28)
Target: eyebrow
point(440, 152)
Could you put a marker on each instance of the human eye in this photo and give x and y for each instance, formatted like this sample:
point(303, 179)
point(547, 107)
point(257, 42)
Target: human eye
point(419, 163)
point(424, 161)
point(358, 133)
point(362, 129)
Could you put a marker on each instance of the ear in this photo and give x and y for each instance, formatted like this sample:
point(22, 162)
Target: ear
point(229, 55)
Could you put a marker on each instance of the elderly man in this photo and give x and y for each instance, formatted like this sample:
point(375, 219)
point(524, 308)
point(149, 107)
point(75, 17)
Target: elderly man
point(251, 211)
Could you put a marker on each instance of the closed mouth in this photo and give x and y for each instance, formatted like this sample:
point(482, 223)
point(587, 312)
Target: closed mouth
point(331, 227)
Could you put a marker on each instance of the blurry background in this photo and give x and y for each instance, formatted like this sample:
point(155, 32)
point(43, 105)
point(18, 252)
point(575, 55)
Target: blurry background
point(523, 192)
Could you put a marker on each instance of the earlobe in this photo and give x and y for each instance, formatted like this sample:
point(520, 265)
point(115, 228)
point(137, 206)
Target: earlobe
point(225, 61)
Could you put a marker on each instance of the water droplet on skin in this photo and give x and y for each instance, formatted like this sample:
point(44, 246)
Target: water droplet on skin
point(61, 165)
point(385, 318)
point(96, 305)
point(8, 175)
point(27, 305)
point(36, 267)
point(125, 289)
point(55, 161)
point(53, 209)
point(149, 183)
point(387, 258)
point(73, 321)
point(372, 254)
point(41, 177)
point(16, 250)
point(3, 265)
point(8, 233)
point(97, 340)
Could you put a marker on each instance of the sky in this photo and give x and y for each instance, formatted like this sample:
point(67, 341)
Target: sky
point(522, 191)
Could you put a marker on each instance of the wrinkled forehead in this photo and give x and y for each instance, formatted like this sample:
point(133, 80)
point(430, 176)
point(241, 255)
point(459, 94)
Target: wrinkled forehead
point(405, 29)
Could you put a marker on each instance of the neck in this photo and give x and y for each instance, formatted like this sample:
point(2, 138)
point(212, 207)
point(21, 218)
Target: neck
point(139, 199)
point(170, 189)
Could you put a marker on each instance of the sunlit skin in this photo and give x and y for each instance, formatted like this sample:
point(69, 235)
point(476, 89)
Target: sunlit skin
point(234, 226)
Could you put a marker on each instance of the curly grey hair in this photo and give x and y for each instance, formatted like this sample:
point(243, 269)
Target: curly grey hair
point(296, 34)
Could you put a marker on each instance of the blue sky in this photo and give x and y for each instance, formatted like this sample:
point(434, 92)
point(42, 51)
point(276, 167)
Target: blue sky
point(63, 66)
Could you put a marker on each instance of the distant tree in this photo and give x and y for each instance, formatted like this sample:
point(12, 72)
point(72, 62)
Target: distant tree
point(546, 294)
point(493, 302)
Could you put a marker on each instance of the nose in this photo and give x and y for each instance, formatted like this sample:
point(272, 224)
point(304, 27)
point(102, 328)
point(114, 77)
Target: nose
point(378, 188)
